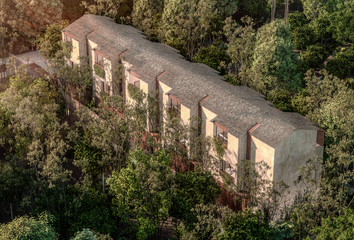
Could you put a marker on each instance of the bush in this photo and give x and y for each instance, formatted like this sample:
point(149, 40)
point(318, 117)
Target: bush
point(302, 37)
point(297, 20)
point(212, 55)
point(314, 56)
point(246, 225)
point(340, 67)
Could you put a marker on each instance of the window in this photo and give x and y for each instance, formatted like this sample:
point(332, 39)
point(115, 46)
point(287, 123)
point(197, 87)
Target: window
point(108, 89)
point(220, 134)
point(99, 59)
point(102, 85)
point(175, 107)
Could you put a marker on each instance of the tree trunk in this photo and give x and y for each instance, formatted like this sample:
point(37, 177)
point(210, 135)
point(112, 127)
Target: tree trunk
point(286, 13)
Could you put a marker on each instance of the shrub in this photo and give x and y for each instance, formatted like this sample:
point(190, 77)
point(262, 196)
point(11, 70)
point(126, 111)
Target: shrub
point(87, 234)
point(297, 20)
point(314, 56)
point(246, 225)
point(302, 37)
point(340, 67)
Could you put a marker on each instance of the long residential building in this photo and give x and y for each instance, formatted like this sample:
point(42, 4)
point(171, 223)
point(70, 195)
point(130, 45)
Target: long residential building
point(250, 127)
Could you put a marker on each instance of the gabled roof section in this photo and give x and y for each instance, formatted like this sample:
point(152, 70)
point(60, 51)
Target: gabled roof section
point(238, 108)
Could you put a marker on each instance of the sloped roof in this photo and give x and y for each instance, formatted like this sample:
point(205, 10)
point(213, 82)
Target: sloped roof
point(237, 108)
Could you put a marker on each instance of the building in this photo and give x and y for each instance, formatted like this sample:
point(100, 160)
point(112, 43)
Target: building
point(247, 124)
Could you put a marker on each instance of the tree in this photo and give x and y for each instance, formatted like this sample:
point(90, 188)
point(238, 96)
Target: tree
point(29, 228)
point(28, 17)
point(321, 28)
point(253, 8)
point(314, 55)
point(144, 13)
point(274, 64)
point(186, 23)
point(53, 35)
point(143, 190)
point(312, 9)
point(192, 188)
point(108, 8)
point(336, 228)
point(296, 20)
point(205, 224)
point(303, 37)
point(14, 181)
point(87, 234)
point(341, 68)
point(241, 45)
point(213, 55)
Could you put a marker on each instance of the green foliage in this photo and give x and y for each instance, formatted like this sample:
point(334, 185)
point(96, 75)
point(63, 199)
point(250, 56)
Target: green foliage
point(340, 67)
point(297, 20)
point(29, 228)
point(143, 190)
point(246, 225)
point(340, 227)
point(314, 56)
point(99, 71)
point(219, 148)
point(299, 102)
point(146, 14)
point(321, 28)
point(87, 234)
point(80, 209)
point(274, 63)
point(302, 37)
point(282, 229)
point(135, 93)
point(253, 8)
point(342, 24)
point(205, 224)
point(281, 99)
point(241, 46)
point(213, 55)
point(193, 188)
point(51, 36)
point(86, 155)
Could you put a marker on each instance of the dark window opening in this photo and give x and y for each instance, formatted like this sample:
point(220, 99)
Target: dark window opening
point(175, 107)
point(220, 134)
point(99, 59)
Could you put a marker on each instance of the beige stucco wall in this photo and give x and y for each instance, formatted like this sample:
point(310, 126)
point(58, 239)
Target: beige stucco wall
point(75, 53)
point(261, 151)
point(185, 114)
point(293, 153)
point(163, 89)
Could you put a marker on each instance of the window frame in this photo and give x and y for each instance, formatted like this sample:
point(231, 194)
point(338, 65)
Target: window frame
point(69, 39)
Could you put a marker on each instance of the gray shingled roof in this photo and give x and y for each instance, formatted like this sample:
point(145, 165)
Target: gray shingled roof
point(238, 108)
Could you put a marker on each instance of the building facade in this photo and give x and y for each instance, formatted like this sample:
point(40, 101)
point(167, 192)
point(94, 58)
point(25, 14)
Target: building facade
point(247, 124)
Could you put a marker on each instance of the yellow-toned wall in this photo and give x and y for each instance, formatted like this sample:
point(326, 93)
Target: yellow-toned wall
point(185, 114)
point(207, 126)
point(261, 151)
point(75, 53)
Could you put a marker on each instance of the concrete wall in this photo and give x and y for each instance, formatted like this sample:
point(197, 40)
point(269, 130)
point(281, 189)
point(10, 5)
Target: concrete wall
point(293, 153)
